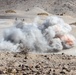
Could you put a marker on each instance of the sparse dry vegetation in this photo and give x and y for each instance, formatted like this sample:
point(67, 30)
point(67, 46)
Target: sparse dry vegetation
point(10, 11)
point(46, 14)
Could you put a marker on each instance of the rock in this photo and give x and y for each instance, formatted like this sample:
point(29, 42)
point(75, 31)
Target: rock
point(1, 72)
point(15, 55)
point(9, 70)
point(66, 68)
point(37, 66)
point(62, 53)
point(14, 71)
point(54, 74)
point(23, 67)
point(25, 57)
point(63, 72)
point(53, 70)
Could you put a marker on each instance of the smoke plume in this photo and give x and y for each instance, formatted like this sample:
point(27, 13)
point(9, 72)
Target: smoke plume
point(50, 36)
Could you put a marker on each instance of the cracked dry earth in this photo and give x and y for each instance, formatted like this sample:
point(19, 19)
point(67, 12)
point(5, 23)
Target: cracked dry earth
point(37, 64)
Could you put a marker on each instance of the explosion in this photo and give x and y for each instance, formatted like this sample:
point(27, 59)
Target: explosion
point(50, 36)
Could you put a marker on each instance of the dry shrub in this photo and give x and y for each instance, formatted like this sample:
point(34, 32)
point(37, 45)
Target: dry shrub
point(10, 11)
point(73, 23)
point(43, 14)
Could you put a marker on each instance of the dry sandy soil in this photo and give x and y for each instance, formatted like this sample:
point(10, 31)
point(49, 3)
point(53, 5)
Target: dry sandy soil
point(52, 6)
point(61, 63)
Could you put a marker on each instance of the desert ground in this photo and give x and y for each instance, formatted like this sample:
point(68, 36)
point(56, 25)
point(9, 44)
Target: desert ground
point(20, 63)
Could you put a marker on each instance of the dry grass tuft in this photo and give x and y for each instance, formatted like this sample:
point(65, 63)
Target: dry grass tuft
point(10, 11)
point(43, 14)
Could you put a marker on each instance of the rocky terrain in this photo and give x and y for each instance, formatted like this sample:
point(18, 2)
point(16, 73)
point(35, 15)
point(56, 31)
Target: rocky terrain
point(62, 63)
point(37, 64)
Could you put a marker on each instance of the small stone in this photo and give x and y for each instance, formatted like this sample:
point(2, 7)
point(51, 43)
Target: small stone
point(26, 66)
point(48, 72)
point(54, 74)
point(19, 65)
point(45, 55)
point(59, 64)
point(69, 58)
point(15, 55)
point(1, 72)
point(48, 58)
point(24, 74)
point(1, 65)
point(62, 72)
point(14, 71)
point(53, 70)
point(9, 70)
point(27, 9)
point(62, 53)
point(23, 67)
point(38, 73)
point(37, 66)
point(19, 69)
point(63, 58)
point(25, 57)
point(24, 60)
point(66, 68)
point(4, 71)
